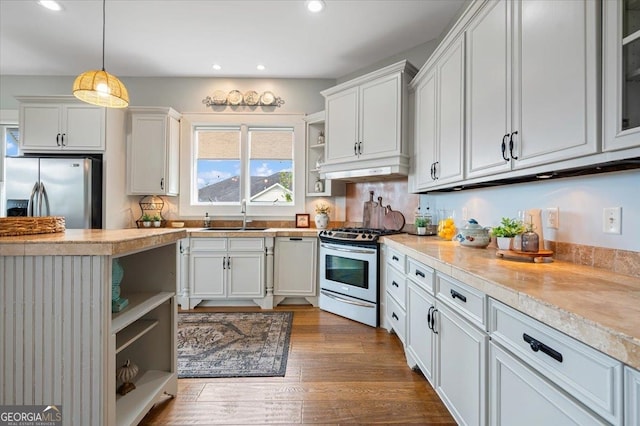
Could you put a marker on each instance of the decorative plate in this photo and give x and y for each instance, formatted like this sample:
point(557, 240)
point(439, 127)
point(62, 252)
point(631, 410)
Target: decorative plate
point(252, 98)
point(219, 97)
point(268, 98)
point(235, 97)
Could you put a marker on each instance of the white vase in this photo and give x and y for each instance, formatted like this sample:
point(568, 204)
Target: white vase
point(504, 243)
point(322, 220)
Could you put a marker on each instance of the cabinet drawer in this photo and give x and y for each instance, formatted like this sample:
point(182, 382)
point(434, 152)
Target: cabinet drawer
point(396, 316)
point(396, 259)
point(420, 274)
point(208, 244)
point(467, 301)
point(588, 375)
point(396, 286)
point(246, 244)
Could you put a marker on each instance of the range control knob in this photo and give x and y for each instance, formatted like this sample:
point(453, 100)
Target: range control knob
point(371, 236)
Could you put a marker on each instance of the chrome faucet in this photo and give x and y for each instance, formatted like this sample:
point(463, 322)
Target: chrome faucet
point(243, 210)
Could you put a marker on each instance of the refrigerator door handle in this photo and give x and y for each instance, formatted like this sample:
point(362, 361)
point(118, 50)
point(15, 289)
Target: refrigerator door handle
point(46, 200)
point(32, 200)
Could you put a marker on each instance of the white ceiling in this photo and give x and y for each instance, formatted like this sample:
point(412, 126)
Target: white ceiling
point(184, 38)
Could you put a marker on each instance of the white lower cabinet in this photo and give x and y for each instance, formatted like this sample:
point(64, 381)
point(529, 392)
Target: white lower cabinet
point(520, 396)
point(295, 273)
point(420, 348)
point(632, 396)
point(226, 268)
point(395, 285)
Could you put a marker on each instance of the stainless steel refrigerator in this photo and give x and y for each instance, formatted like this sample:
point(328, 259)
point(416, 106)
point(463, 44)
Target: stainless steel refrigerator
point(56, 186)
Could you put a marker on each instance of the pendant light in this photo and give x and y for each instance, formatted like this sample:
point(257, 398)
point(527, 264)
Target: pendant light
point(98, 87)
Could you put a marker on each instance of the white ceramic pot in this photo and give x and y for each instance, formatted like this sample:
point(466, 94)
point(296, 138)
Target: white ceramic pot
point(146, 224)
point(504, 243)
point(322, 220)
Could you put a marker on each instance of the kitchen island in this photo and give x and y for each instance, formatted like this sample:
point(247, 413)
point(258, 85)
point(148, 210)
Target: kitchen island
point(61, 344)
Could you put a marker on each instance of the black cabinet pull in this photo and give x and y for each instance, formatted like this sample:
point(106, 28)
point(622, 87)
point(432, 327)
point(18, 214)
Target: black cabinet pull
point(224, 265)
point(359, 148)
point(539, 346)
point(162, 183)
point(511, 145)
point(58, 139)
point(395, 284)
point(455, 294)
point(295, 239)
point(435, 170)
point(394, 258)
point(62, 139)
point(429, 313)
point(433, 321)
point(228, 262)
point(504, 147)
point(394, 316)
point(420, 273)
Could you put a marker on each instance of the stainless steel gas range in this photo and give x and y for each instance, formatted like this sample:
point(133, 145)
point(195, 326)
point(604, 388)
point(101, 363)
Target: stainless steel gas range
point(350, 273)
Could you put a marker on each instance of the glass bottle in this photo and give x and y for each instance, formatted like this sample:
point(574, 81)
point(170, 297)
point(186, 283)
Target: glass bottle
point(530, 240)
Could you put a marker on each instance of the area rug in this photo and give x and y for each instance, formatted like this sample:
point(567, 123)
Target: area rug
point(233, 344)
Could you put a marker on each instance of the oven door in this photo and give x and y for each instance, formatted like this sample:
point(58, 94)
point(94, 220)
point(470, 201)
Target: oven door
point(349, 270)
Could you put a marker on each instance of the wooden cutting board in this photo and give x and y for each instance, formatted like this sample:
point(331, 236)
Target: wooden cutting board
point(393, 220)
point(367, 211)
point(377, 215)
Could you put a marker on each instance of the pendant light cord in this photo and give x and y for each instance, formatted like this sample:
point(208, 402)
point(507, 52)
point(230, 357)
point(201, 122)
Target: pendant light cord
point(104, 2)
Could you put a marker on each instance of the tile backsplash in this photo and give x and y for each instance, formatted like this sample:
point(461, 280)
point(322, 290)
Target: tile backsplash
point(394, 193)
point(620, 261)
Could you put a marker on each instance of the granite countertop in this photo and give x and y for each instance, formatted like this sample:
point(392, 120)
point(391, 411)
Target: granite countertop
point(89, 242)
point(595, 306)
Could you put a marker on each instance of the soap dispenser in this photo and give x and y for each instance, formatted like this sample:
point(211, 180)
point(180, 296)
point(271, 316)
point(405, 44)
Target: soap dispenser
point(207, 220)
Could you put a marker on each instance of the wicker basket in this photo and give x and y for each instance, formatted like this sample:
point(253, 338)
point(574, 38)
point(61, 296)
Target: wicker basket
point(12, 226)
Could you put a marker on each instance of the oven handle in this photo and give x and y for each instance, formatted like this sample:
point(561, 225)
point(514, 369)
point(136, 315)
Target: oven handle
point(348, 250)
point(352, 302)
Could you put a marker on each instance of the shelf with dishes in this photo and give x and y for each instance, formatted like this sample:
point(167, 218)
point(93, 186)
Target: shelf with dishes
point(250, 98)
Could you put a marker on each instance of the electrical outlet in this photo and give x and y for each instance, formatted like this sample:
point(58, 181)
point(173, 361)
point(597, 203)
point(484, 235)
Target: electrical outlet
point(553, 217)
point(612, 220)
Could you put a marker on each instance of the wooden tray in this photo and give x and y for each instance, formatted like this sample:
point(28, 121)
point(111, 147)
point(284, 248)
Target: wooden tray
point(28, 225)
point(538, 257)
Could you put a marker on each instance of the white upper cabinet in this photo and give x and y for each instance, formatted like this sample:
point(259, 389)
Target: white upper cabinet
point(153, 152)
point(61, 124)
point(532, 84)
point(621, 74)
point(439, 120)
point(366, 122)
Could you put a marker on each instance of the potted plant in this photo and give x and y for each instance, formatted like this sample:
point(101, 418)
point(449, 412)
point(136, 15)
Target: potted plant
point(421, 225)
point(146, 220)
point(322, 215)
point(506, 231)
point(156, 221)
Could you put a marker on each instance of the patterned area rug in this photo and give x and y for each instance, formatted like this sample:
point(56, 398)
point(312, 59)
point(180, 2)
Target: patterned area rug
point(233, 344)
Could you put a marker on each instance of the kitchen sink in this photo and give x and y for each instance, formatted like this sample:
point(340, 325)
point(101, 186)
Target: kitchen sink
point(229, 229)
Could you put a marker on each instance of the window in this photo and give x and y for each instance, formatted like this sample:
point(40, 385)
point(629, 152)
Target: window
point(236, 157)
point(11, 141)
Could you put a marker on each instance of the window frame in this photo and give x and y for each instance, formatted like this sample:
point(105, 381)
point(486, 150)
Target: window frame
point(245, 121)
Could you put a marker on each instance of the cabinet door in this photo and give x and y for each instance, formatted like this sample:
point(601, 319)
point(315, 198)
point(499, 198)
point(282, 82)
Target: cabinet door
point(207, 275)
point(555, 96)
point(83, 128)
point(380, 117)
point(342, 126)
point(449, 166)
point(632, 396)
point(425, 132)
point(519, 396)
point(295, 266)
point(461, 374)
point(40, 127)
point(420, 338)
point(246, 274)
point(147, 151)
point(488, 89)
point(172, 181)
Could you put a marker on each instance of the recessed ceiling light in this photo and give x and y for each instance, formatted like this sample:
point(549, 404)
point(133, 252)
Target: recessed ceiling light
point(50, 4)
point(315, 6)
point(261, 67)
point(217, 67)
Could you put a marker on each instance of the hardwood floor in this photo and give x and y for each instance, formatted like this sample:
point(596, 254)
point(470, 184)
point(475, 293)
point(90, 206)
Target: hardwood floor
point(338, 372)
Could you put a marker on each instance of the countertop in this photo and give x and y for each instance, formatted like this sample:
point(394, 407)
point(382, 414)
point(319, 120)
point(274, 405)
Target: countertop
point(595, 306)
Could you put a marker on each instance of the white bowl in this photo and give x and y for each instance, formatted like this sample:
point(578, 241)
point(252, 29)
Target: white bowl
point(177, 224)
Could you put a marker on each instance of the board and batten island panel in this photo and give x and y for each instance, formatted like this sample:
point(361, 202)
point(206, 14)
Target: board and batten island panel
point(58, 347)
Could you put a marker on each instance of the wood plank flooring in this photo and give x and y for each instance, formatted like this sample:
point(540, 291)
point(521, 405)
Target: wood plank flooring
point(338, 372)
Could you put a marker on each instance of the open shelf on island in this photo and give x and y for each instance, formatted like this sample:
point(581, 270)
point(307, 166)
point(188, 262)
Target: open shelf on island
point(133, 332)
point(139, 305)
point(132, 407)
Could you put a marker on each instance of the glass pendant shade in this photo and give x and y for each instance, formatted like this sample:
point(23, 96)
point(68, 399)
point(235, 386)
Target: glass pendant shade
point(98, 87)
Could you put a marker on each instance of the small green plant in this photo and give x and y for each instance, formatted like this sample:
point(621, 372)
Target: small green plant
point(156, 218)
point(146, 218)
point(323, 208)
point(508, 228)
point(421, 222)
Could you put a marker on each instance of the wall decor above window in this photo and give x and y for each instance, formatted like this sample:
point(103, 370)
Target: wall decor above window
point(249, 98)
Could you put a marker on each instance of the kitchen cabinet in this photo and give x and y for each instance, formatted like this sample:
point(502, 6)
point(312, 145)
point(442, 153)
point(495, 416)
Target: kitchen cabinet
point(366, 121)
point(226, 269)
point(439, 120)
point(632, 396)
point(621, 74)
point(153, 151)
point(56, 124)
point(316, 147)
point(295, 268)
point(396, 293)
point(532, 86)
point(593, 381)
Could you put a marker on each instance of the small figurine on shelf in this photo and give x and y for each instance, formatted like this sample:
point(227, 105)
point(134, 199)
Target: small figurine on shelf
point(319, 187)
point(157, 221)
point(125, 374)
point(321, 138)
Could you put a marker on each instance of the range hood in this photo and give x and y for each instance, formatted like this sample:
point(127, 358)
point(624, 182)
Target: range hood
point(367, 170)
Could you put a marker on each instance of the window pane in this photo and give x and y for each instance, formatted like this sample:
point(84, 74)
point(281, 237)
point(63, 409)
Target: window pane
point(11, 141)
point(218, 165)
point(271, 165)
